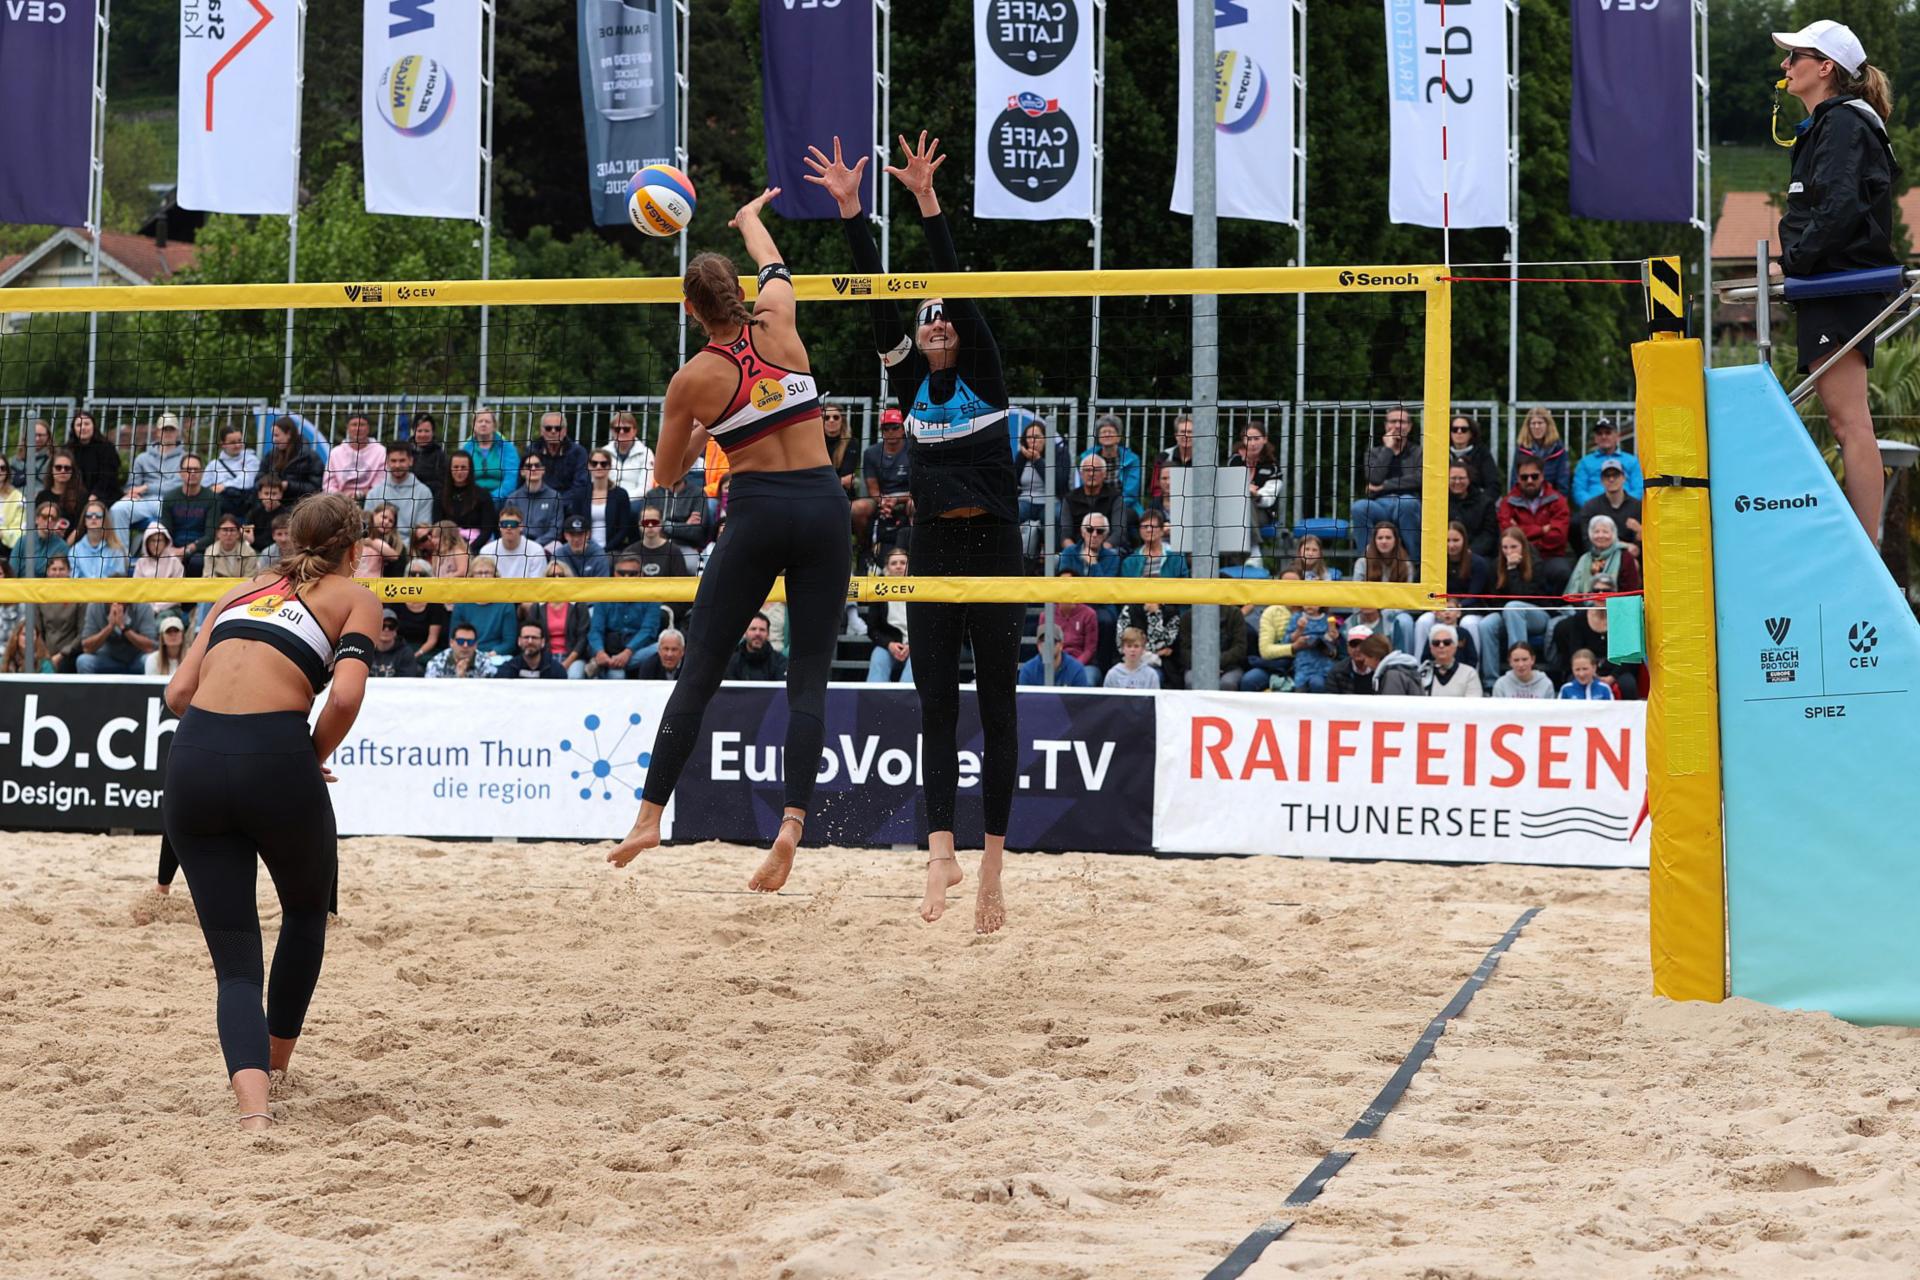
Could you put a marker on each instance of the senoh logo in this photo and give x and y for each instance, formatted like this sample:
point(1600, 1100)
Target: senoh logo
point(1759, 502)
point(1371, 279)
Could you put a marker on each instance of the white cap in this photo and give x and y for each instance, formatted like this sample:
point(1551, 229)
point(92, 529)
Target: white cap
point(166, 420)
point(1360, 632)
point(1831, 40)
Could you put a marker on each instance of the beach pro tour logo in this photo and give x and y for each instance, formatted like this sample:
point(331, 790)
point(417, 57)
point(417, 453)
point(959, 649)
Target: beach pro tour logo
point(1033, 36)
point(1373, 279)
point(1780, 663)
point(1033, 147)
point(1759, 503)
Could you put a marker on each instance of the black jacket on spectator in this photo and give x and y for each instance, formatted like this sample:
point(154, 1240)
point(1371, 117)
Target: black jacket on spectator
point(1477, 581)
point(651, 668)
point(579, 619)
point(1478, 511)
point(677, 508)
point(668, 560)
point(1518, 588)
point(98, 466)
point(261, 520)
point(511, 668)
point(1599, 506)
point(1395, 473)
point(769, 664)
point(301, 476)
point(1483, 473)
point(1344, 679)
point(469, 507)
point(879, 630)
point(1570, 636)
point(412, 627)
point(566, 466)
point(397, 661)
point(430, 465)
point(621, 526)
point(1110, 503)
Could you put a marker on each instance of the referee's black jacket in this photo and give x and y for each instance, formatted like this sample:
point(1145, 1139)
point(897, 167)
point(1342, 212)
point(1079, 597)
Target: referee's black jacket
point(1839, 214)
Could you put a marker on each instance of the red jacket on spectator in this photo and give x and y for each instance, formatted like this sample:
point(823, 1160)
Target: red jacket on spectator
point(1544, 519)
point(1079, 631)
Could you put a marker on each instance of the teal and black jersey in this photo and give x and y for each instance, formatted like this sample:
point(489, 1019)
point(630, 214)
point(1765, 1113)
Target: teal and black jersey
point(956, 417)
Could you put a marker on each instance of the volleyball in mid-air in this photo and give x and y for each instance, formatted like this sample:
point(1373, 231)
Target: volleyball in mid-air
point(660, 200)
point(416, 93)
point(1239, 91)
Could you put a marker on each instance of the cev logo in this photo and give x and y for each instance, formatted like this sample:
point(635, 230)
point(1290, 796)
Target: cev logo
point(50, 12)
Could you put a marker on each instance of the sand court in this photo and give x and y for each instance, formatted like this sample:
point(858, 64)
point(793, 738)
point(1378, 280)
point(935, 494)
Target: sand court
point(519, 1064)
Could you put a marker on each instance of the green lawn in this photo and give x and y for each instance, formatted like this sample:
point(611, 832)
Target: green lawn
point(1762, 168)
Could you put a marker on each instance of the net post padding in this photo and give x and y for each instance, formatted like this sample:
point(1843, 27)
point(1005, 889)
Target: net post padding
point(1687, 878)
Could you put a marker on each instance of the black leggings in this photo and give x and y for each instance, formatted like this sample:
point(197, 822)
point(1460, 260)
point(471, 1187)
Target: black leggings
point(237, 786)
point(169, 864)
point(981, 546)
point(792, 522)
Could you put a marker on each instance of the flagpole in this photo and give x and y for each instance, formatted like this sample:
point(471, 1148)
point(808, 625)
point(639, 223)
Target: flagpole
point(682, 24)
point(293, 202)
point(492, 11)
point(1513, 210)
point(96, 175)
point(1099, 188)
point(1298, 432)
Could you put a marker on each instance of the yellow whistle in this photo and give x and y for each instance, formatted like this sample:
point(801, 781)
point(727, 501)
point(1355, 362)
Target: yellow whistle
point(1778, 85)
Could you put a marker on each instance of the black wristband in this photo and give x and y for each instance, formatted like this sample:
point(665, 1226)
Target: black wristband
point(775, 271)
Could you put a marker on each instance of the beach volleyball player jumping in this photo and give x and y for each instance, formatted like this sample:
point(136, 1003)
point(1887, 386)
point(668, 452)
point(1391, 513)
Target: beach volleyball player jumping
point(786, 514)
point(944, 372)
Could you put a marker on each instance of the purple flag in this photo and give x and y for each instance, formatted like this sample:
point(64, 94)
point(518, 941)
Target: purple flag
point(46, 112)
point(818, 83)
point(1631, 152)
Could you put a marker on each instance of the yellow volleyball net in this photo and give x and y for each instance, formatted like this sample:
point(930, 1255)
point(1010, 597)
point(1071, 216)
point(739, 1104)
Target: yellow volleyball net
point(210, 394)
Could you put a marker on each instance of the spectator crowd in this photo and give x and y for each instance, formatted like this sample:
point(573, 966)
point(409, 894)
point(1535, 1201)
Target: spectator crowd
point(1529, 554)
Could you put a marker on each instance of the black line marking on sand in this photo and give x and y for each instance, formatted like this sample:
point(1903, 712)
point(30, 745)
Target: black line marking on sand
point(1248, 1251)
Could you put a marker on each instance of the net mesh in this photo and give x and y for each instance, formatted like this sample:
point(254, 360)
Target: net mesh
point(1108, 491)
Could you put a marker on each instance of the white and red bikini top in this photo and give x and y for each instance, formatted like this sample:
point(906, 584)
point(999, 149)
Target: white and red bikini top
point(765, 399)
point(276, 615)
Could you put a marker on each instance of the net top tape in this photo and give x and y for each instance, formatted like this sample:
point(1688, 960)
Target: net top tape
point(385, 294)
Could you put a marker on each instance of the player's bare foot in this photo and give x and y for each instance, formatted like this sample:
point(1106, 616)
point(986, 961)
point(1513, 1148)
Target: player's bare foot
point(774, 871)
point(163, 889)
point(989, 908)
point(943, 872)
point(644, 835)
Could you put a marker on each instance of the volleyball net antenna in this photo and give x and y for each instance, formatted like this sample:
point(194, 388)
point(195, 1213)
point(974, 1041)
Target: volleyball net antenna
point(374, 359)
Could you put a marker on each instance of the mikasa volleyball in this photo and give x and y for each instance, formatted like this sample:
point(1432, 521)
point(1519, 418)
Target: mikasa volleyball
point(416, 93)
point(660, 200)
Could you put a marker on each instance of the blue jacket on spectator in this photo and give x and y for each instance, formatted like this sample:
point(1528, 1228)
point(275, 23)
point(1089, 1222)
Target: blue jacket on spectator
point(1553, 465)
point(85, 560)
point(1106, 563)
point(1132, 473)
point(515, 667)
point(1598, 691)
point(543, 512)
point(567, 469)
point(1586, 476)
point(593, 562)
point(497, 470)
point(623, 624)
point(1172, 565)
point(1068, 675)
point(495, 626)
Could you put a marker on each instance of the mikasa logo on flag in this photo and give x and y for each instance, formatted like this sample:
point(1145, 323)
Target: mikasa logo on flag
point(420, 109)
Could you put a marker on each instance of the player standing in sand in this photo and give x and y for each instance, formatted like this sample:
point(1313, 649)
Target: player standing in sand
point(945, 374)
point(786, 514)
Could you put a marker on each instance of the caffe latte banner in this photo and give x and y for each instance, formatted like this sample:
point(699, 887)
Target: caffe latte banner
point(1033, 113)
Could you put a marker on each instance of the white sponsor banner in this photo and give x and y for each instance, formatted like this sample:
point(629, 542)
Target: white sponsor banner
point(1433, 779)
point(420, 107)
point(529, 758)
point(1033, 112)
point(1467, 186)
point(239, 105)
point(1252, 110)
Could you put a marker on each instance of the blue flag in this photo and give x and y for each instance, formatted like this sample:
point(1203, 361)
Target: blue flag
point(1631, 154)
point(46, 112)
point(817, 84)
point(627, 89)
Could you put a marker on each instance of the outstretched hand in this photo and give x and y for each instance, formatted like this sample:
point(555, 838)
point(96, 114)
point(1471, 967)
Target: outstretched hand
point(842, 183)
point(750, 211)
point(922, 160)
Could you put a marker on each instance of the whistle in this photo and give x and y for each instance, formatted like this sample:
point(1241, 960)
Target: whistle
point(1781, 83)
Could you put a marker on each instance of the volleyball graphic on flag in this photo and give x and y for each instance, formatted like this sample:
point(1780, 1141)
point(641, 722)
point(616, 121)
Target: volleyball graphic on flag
point(1239, 92)
point(416, 94)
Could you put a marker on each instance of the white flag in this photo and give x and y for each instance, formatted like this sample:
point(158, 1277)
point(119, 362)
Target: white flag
point(1252, 110)
point(1033, 115)
point(1466, 185)
point(239, 100)
point(420, 107)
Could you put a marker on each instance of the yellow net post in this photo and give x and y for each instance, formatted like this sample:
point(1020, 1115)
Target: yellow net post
point(1687, 881)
